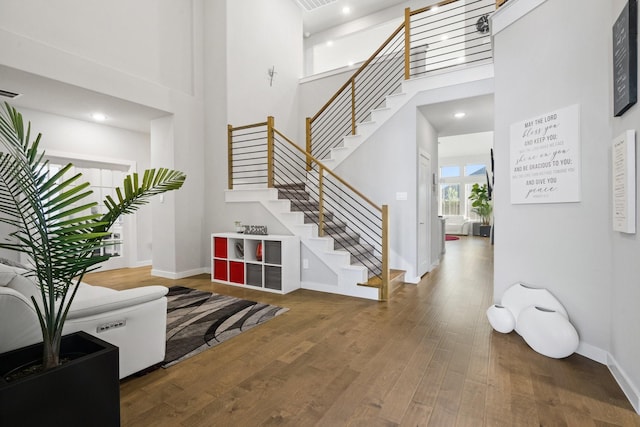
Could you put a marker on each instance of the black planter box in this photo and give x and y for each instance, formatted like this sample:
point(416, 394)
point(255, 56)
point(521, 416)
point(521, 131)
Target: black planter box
point(84, 391)
point(485, 230)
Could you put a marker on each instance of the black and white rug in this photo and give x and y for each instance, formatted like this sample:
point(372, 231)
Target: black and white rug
point(198, 320)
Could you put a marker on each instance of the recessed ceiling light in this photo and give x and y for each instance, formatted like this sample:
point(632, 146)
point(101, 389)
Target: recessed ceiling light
point(462, 58)
point(350, 63)
point(459, 115)
point(99, 117)
point(444, 37)
point(434, 9)
point(346, 10)
point(330, 43)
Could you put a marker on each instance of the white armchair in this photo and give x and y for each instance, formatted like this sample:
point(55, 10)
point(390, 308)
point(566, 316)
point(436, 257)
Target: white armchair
point(134, 320)
point(457, 224)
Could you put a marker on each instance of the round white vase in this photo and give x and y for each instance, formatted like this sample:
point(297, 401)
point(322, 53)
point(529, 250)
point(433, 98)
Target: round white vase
point(501, 318)
point(548, 332)
point(520, 296)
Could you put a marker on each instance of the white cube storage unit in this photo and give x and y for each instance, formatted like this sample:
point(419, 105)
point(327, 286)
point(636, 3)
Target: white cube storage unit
point(265, 262)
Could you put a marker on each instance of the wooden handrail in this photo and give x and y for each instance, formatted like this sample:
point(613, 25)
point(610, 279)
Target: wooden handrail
point(426, 8)
point(358, 71)
point(321, 165)
point(255, 125)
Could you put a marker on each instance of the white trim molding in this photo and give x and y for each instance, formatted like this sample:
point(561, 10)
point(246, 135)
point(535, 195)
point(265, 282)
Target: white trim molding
point(180, 274)
point(624, 382)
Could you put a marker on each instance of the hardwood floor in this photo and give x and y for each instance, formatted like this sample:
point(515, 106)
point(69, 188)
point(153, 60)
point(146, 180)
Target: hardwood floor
point(428, 357)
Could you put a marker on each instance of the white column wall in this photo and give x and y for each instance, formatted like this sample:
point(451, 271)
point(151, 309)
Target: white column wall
point(564, 247)
point(625, 292)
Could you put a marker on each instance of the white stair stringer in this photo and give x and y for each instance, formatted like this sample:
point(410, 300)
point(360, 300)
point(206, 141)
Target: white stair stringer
point(348, 276)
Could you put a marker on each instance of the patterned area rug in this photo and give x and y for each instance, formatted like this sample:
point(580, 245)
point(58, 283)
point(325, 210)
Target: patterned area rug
point(197, 321)
point(449, 237)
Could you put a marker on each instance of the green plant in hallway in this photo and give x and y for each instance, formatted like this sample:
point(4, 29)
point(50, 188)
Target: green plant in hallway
point(52, 223)
point(481, 203)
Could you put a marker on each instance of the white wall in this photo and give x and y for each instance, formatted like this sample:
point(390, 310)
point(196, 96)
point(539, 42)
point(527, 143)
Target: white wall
point(565, 247)
point(263, 35)
point(149, 39)
point(149, 53)
point(237, 91)
point(625, 292)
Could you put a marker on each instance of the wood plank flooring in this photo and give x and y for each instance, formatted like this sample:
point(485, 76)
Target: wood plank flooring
point(428, 357)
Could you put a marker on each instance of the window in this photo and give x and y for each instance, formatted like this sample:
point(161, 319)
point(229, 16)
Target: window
point(475, 170)
point(450, 199)
point(449, 171)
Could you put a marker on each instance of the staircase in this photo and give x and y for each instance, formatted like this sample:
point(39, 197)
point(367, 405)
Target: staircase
point(337, 224)
point(344, 239)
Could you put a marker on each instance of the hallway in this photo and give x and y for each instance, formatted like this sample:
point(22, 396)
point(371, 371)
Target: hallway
point(428, 357)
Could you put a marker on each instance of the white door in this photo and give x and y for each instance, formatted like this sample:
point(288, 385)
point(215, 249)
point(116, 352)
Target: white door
point(424, 214)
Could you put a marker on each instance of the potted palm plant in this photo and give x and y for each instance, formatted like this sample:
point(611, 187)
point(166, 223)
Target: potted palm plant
point(52, 223)
point(481, 205)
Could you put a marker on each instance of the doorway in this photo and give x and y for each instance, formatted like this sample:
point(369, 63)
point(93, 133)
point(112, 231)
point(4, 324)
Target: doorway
point(104, 176)
point(424, 213)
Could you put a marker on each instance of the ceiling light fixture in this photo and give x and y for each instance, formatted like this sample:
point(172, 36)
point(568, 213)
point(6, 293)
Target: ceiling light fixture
point(459, 115)
point(99, 117)
point(346, 10)
point(434, 9)
point(444, 37)
point(329, 43)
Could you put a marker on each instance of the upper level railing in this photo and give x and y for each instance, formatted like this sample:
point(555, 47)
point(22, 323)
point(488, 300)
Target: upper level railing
point(449, 34)
point(262, 157)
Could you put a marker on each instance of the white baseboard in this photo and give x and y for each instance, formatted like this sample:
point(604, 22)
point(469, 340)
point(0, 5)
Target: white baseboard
point(144, 263)
point(625, 384)
point(592, 352)
point(601, 356)
point(179, 275)
point(412, 280)
point(354, 291)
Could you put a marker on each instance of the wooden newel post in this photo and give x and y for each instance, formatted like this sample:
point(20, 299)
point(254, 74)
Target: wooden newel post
point(230, 157)
point(270, 151)
point(383, 292)
point(308, 132)
point(407, 44)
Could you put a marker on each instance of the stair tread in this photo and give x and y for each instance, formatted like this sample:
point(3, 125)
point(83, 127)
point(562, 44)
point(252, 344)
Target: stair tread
point(395, 277)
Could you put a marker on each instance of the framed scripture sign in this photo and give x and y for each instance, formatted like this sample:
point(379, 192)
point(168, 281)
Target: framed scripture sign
point(623, 181)
point(625, 59)
point(545, 158)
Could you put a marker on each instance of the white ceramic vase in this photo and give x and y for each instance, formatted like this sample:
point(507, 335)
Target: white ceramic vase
point(501, 318)
point(548, 332)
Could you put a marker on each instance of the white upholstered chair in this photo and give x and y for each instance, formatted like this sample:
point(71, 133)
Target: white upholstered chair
point(134, 320)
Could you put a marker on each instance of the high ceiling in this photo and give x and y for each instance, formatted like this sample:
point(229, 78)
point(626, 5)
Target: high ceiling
point(328, 13)
point(52, 96)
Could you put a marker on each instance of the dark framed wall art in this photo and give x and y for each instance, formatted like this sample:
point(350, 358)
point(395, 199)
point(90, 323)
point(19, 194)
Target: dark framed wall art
point(625, 59)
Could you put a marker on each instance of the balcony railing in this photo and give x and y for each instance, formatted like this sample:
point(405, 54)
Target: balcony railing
point(447, 35)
